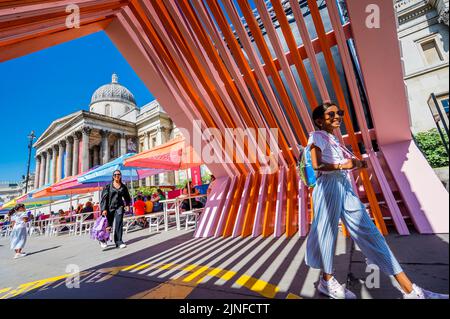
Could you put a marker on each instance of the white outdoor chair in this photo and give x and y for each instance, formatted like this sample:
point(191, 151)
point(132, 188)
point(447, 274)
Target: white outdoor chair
point(5, 231)
point(154, 220)
point(191, 217)
point(34, 227)
point(83, 226)
point(88, 224)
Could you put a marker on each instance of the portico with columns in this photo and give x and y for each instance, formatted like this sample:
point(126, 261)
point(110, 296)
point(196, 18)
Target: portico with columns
point(112, 127)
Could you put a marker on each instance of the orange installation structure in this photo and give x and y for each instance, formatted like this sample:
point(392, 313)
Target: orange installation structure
point(222, 65)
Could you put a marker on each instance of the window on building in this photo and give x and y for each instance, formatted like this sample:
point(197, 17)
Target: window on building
point(431, 52)
point(445, 105)
point(156, 179)
point(153, 141)
point(108, 109)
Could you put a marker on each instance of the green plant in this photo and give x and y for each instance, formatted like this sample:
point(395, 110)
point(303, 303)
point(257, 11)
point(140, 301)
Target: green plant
point(181, 184)
point(430, 143)
point(147, 190)
point(206, 178)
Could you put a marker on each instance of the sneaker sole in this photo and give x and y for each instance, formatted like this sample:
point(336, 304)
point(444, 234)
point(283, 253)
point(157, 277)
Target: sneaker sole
point(323, 292)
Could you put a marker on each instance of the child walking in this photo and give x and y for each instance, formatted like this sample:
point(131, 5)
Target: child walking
point(19, 231)
point(334, 199)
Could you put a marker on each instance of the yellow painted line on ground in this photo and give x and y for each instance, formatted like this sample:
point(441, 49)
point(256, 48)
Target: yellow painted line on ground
point(5, 290)
point(166, 266)
point(23, 288)
point(253, 284)
point(257, 285)
point(190, 267)
point(228, 275)
point(129, 267)
point(143, 266)
point(196, 274)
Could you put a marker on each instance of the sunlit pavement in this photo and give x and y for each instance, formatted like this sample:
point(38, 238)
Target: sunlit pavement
point(175, 265)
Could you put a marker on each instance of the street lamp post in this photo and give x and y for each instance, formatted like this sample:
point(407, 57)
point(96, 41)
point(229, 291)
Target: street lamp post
point(31, 137)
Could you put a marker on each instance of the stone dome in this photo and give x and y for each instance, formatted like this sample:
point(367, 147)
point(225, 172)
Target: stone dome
point(113, 92)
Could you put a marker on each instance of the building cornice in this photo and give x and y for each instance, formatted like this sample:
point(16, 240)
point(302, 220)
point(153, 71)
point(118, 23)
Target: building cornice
point(442, 65)
point(77, 120)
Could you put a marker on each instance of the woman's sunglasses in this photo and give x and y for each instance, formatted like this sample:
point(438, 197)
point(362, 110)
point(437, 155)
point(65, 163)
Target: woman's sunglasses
point(332, 114)
point(117, 175)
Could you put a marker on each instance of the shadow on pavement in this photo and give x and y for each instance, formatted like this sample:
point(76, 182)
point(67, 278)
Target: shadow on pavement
point(42, 250)
point(186, 267)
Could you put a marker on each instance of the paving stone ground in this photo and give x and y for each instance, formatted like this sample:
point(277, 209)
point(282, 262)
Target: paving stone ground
point(175, 265)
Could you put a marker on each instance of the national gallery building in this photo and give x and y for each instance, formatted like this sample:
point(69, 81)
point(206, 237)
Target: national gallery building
point(113, 126)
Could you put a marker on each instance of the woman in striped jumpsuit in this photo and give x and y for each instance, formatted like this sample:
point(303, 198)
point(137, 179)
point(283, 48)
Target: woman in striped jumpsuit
point(334, 199)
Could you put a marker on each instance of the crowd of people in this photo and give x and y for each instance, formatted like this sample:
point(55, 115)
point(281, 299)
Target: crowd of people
point(115, 202)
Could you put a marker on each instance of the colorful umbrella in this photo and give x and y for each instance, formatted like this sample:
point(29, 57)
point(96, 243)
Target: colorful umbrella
point(174, 155)
point(104, 173)
point(72, 182)
point(10, 204)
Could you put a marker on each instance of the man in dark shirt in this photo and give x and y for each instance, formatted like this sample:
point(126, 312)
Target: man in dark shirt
point(115, 200)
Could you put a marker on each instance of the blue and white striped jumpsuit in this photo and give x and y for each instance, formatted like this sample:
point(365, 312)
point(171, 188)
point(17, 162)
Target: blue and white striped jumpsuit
point(334, 199)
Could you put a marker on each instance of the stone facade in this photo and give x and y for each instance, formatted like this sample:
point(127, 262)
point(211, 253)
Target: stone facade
point(113, 127)
point(424, 36)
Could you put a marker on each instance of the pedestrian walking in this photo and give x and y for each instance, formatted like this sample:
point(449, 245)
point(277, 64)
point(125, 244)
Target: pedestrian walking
point(115, 200)
point(19, 219)
point(334, 199)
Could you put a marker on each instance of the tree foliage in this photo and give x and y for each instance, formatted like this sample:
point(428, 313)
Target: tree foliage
point(430, 143)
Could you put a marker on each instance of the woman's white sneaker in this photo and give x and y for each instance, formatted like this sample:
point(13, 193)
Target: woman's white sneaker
point(420, 293)
point(333, 289)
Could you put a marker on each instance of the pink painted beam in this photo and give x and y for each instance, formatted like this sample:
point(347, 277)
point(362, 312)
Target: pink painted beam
point(379, 52)
point(422, 191)
point(239, 223)
point(129, 44)
point(354, 93)
point(213, 208)
point(188, 71)
point(309, 49)
point(232, 67)
point(262, 77)
point(191, 38)
point(226, 207)
point(261, 206)
point(280, 212)
point(285, 67)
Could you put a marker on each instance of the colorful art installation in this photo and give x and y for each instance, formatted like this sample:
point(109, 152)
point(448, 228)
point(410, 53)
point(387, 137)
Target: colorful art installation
point(223, 65)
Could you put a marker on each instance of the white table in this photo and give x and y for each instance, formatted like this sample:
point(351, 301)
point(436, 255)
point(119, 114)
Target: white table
point(176, 202)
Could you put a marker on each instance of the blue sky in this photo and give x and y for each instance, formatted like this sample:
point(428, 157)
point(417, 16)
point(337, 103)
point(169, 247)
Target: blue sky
point(41, 87)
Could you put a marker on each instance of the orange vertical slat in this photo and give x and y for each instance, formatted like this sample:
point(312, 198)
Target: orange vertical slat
point(269, 213)
point(229, 225)
point(251, 207)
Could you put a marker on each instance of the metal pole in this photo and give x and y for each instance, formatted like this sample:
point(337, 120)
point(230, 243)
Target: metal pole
point(441, 116)
point(30, 146)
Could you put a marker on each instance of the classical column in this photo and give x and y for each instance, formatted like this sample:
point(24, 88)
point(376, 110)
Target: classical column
point(54, 168)
point(42, 170)
point(37, 172)
point(69, 156)
point(47, 167)
point(147, 141)
point(62, 150)
point(123, 144)
point(105, 146)
point(96, 151)
point(159, 136)
point(76, 152)
point(85, 149)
